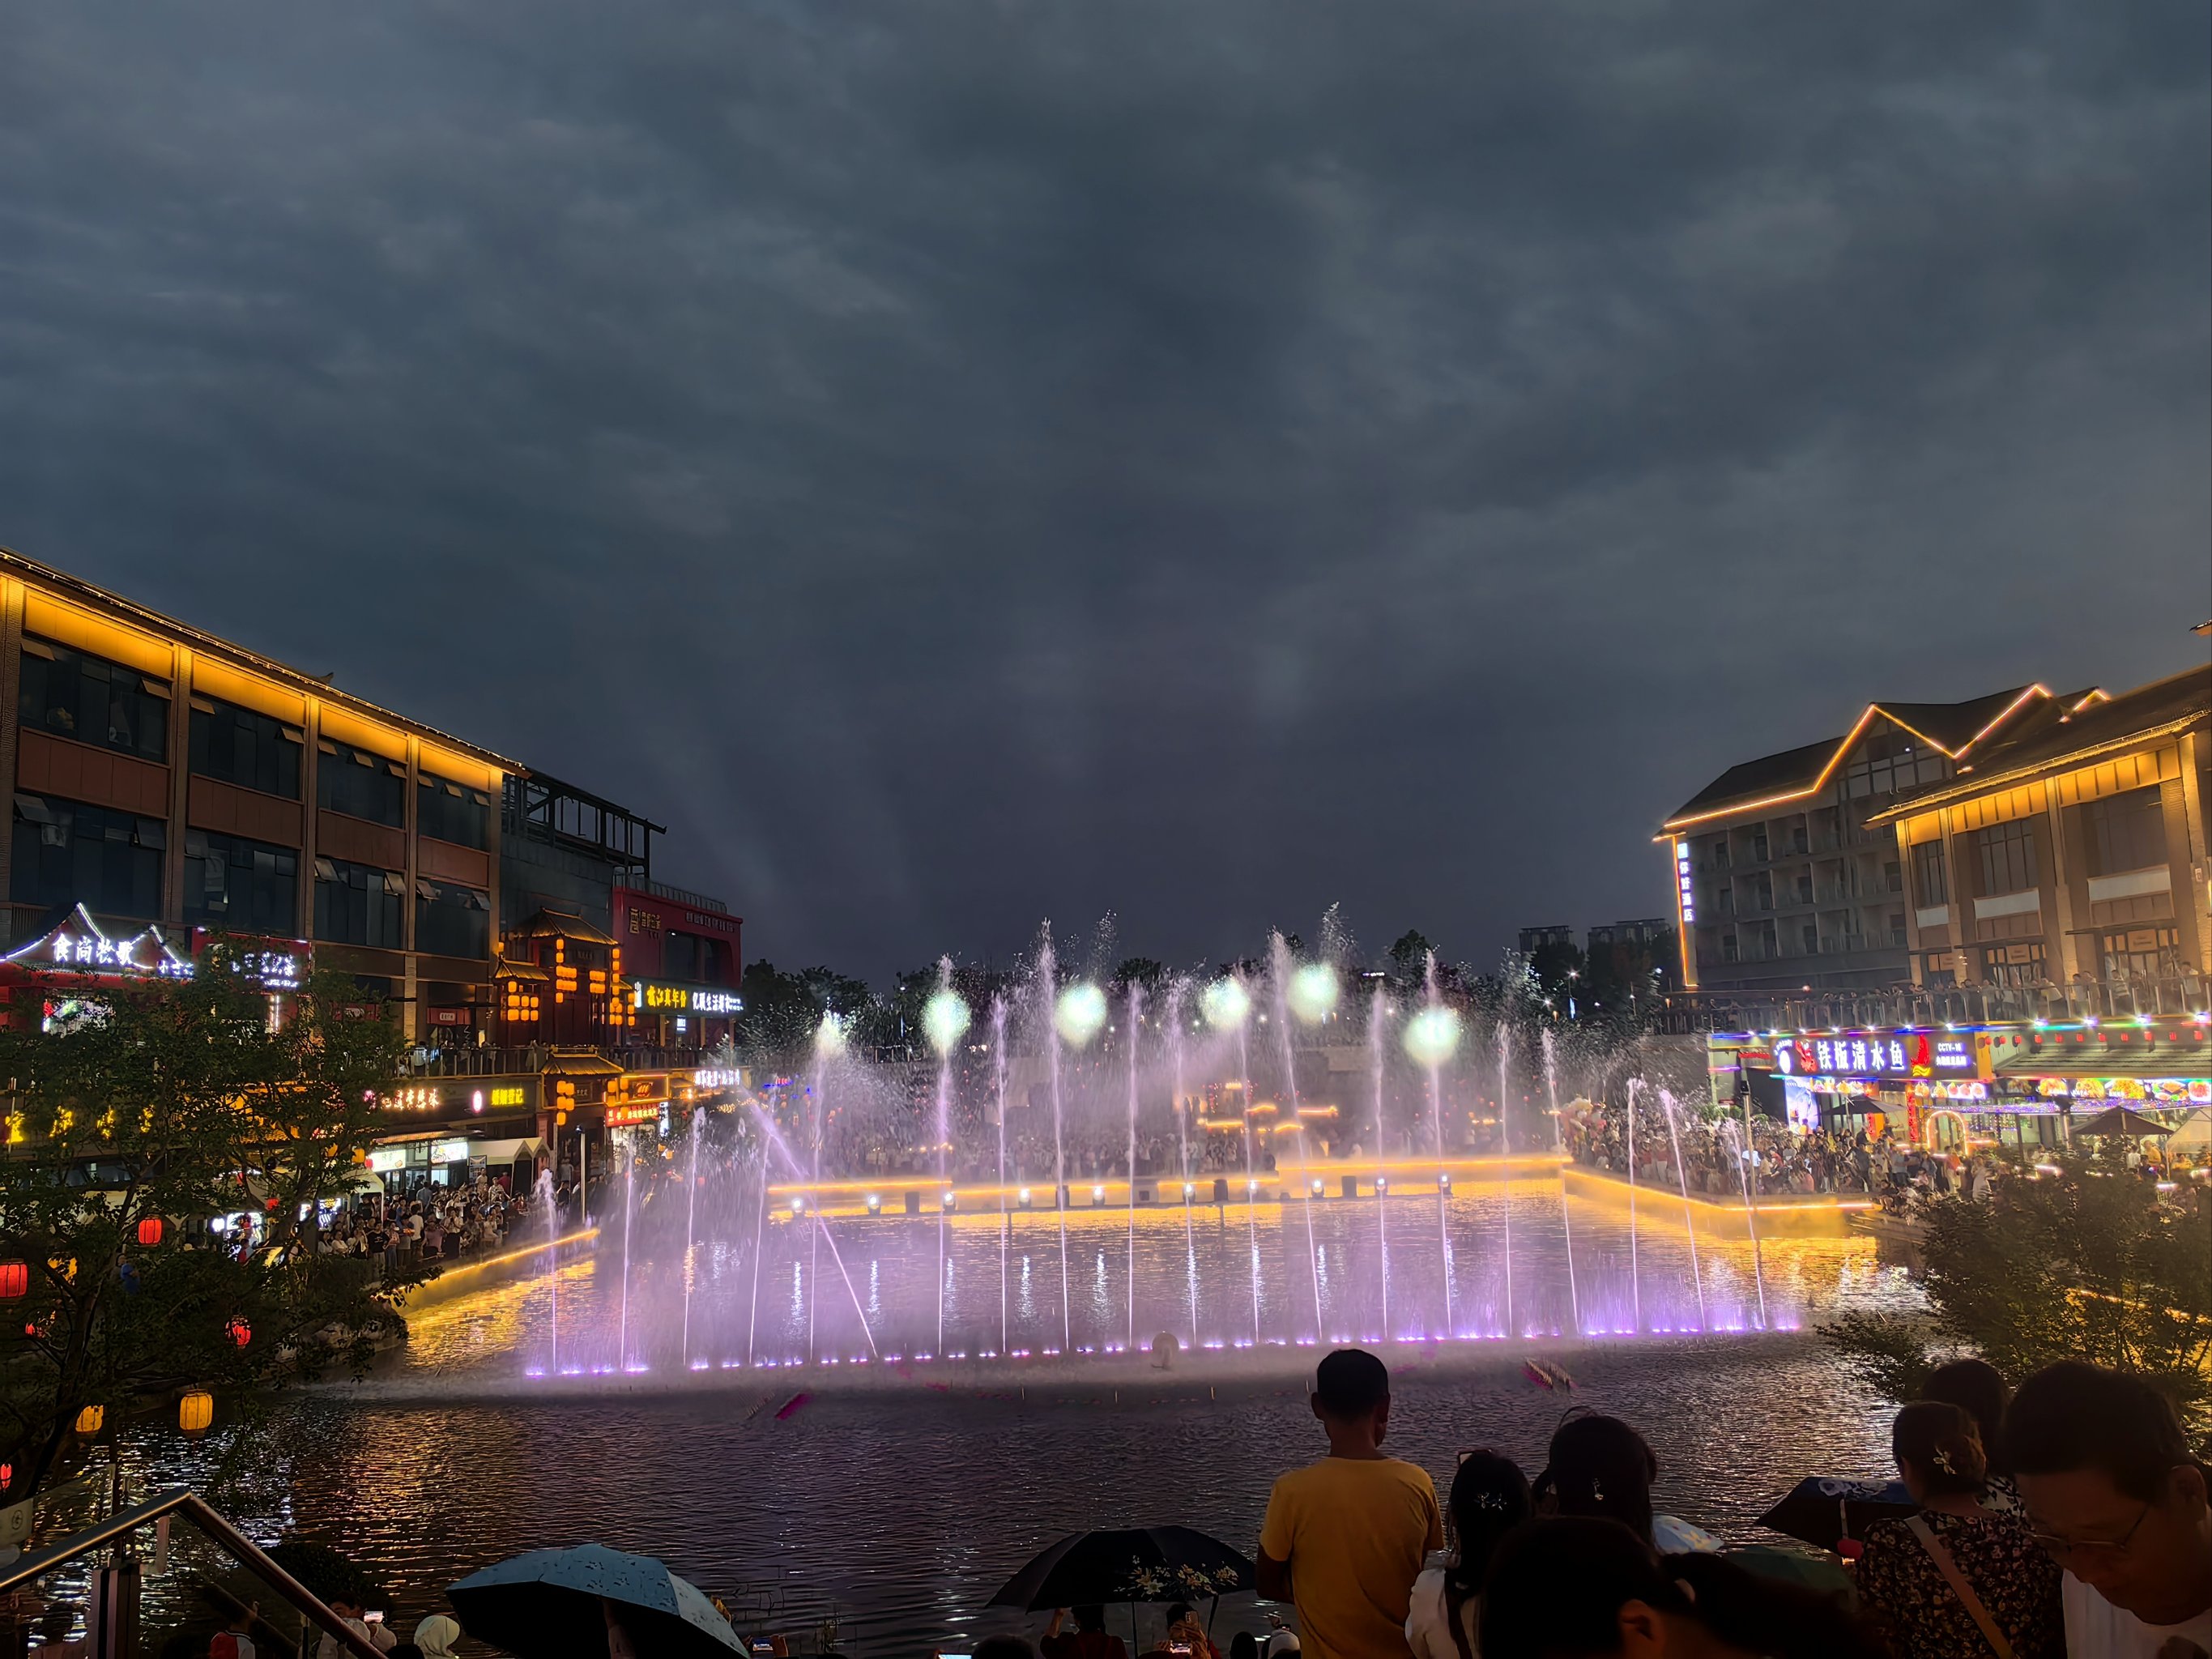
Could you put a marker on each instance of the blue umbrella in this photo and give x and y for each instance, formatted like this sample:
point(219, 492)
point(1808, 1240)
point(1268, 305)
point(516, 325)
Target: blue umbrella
point(1825, 1510)
point(550, 1603)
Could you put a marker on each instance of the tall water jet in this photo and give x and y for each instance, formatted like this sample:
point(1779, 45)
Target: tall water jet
point(829, 1042)
point(1689, 1220)
point(944, 1020)
point(1074, 1018)
point(1558, 1144)
point(1751, 1209)
point(1280, 973)
point(1182, 1147)
point(621, 1336)
point(1505, 1147)
point(760, 1242)
point(1005, 1220)
point(1377, 1011)
point(1136, 1014)
point(1635, 1279)
point(690, 1230)
point(1227, 1003)
point(1431, 1038)
point(546, 1196)
point(820, 1230)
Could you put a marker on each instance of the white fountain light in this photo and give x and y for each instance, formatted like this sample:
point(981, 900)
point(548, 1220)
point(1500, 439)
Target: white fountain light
point(944, 1019)
point(1225, 1003)
point(1312, 992)
point(829, 1035)
point(875, 1201)
point(1433, 1034)
point(1079, 1013)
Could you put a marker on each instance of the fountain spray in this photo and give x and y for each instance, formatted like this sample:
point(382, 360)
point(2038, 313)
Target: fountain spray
point(1689, 1220)
point(1506, 1145)
point(1558, 1144)
point(1278, 954)
point(1136, 1011)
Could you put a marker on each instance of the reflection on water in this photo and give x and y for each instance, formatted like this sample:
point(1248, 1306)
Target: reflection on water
point(904, 1495)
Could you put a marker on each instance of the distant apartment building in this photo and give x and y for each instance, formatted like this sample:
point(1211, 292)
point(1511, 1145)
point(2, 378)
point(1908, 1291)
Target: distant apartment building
point(2072, 852)
point(1533, 939)
point(1645, 931)
point(1781, 879)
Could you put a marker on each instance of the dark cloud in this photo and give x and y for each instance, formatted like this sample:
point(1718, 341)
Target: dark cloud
point(958, 464)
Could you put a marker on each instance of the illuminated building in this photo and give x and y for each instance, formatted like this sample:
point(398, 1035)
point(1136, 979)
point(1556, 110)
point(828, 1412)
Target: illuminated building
point(2073, 852)
point(165, 779)
point(1780, 883)
point(681, 953)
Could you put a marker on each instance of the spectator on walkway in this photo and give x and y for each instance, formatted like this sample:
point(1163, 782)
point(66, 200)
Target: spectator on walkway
point(2115, 1498)
point(235, 1640)
point(1575, 1588)
point(436, 1635)
point(1345, 1537)
point(1959, 1580)
point(1601, 1468)
point(1488, 1498)
point(350, 1613)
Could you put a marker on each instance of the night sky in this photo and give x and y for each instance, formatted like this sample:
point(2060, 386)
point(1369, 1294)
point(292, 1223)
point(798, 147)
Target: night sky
point(959, 464)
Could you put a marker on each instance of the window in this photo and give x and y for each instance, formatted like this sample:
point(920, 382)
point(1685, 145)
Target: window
point(1727, 947)
point(1887, 762)
point(1804, 890)
point(451, 921)
point(2143, 953)
point(1892, 877)
point(1897, 926)
point(236, 745)
point(700, 960)
point(358, 904)
point(453, 812)
point(1811, 938)
point(2126, 832)
point(1759, 846)
point(361, 784)
point(1762, 891)
point(241, 886)
point(76, 694)
point(2014, 964)
point(2008, 854)
point(1931, 881)
point(66, 853)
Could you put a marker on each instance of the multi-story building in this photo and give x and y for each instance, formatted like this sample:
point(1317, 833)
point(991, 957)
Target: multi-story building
point(2072, 854)
point(166, 780)
point(1533, 939)
point(1644, 931)
point(681, 953)
point(1782, 882)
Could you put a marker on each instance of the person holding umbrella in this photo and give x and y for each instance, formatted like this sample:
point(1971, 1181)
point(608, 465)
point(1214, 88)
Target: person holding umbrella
point(1089, 1640)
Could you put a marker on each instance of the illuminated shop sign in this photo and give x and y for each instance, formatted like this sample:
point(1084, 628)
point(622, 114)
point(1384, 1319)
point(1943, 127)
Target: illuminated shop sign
point(80, 944)
point(1825, 1056)
point(2158, 1090)
point(657, 998)
point(620, 1117)
point(725, 1079)
point(1683, 885)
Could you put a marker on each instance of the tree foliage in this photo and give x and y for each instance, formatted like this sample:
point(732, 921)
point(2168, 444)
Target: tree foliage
point(2091, 1264)
point(170, 1102)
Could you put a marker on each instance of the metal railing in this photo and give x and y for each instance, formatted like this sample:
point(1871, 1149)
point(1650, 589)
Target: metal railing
point(490, 1061)
point(114, 1633)
point(1694, 1012)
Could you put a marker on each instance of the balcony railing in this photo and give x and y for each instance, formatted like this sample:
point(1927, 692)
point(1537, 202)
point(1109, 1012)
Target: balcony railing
point(510, 1062)
point(1761, 1010)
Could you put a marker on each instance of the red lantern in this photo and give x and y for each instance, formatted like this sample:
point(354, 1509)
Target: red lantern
point(240, 1332)
point(15, 1280)
point(7, 1476)
point(149, 1231)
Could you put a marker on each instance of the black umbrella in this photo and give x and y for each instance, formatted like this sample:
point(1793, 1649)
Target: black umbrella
point(1129, 1564)
point(1825, 1511)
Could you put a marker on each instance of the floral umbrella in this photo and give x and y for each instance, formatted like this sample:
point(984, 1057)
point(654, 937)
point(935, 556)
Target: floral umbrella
point(1129, 1564)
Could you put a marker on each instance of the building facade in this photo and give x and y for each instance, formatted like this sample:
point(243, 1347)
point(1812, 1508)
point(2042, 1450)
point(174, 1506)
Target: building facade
point(683, 957)
point(167, 779)
point(1781, 881)
point(2072, 853)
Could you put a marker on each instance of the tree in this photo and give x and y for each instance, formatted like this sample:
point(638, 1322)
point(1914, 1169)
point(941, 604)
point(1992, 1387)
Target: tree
point(1139, 970)
point(1409, 956)
point(2089, 1265)
point(160, 1104)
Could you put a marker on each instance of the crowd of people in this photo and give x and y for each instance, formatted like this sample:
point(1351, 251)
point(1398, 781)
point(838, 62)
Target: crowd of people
point(432, 1223)
point(2070, 1518)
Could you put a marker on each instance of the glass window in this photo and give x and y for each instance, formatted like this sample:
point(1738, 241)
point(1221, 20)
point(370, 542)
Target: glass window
point(452, 812)
point(2008, 855)
point(241, 886)
point(236, 745)
point(76, 694)
point(361, 784)
point(67, 853)
point(1931, 881)
point(359, 904)
point(1889, 761)
point(2014, 965)
point(2143, 953)
point(452, 921)
point(2126, 832)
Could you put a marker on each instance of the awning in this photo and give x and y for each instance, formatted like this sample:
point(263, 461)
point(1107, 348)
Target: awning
point(582, 1064)
point(526, 973)
point(508, 1151)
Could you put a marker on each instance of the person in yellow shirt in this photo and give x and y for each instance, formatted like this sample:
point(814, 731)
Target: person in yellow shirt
point(1345, 1537)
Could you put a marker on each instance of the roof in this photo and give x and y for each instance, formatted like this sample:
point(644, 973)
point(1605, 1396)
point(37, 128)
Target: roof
point(2091, 727)
point(549, 923)
point(581, 1063)
point(1952, 727)
point(115, 605)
